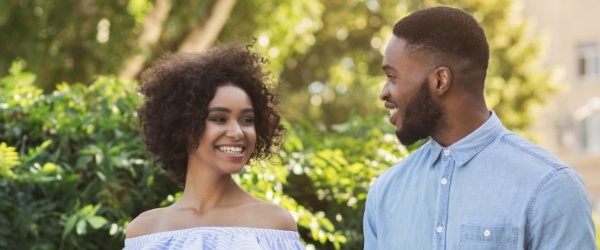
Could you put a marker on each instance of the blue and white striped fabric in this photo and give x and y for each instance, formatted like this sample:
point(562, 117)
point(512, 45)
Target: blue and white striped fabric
point(217, 238)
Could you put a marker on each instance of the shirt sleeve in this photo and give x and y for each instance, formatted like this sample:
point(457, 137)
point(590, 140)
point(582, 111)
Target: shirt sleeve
point(560, 216)
point(369, 220)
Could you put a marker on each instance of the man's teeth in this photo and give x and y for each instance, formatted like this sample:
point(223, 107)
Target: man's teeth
point(393, 111)
point(231, 150)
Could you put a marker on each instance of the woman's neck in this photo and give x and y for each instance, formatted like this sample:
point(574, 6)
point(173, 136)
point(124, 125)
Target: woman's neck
point(204, 193)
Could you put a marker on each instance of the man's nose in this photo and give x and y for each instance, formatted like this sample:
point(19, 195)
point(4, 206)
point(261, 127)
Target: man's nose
point(385, 92)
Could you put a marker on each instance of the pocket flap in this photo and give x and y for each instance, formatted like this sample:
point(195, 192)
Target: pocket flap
point(489, 233)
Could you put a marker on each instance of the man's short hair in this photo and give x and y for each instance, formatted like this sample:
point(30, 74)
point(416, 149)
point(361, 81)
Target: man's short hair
point(446, 36)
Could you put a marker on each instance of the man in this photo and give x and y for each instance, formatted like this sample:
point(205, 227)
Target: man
point(474, 185)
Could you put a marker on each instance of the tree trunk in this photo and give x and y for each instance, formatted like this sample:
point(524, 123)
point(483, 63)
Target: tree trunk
point(207, 30)
point(150, 35)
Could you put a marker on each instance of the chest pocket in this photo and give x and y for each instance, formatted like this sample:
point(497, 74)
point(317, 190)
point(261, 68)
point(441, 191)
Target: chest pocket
point(488, 237)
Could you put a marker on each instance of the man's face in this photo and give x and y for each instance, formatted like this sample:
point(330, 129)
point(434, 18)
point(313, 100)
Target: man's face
point(406, 93)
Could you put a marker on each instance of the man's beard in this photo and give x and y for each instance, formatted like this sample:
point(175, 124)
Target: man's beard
point(421, 117)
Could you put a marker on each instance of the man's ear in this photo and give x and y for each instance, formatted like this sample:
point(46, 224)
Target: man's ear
point(442, 77)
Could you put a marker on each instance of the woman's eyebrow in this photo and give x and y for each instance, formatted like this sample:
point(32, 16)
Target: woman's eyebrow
point(227, 110)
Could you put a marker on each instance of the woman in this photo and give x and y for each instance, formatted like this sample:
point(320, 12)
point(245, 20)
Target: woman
point(205, 116)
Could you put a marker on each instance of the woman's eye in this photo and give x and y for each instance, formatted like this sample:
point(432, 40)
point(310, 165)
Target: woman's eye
point(248, 120)
point(217, 119)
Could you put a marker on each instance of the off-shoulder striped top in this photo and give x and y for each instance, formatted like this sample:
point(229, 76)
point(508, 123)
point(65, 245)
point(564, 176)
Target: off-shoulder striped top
point(217, 238)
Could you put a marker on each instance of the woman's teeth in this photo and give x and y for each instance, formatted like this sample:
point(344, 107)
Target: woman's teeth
point(231, 150)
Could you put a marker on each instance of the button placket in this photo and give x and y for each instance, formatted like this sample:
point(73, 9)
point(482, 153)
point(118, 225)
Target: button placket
point(443, 199)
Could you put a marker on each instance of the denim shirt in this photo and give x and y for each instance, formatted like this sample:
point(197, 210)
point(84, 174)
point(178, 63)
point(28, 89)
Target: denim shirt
point(491, 190)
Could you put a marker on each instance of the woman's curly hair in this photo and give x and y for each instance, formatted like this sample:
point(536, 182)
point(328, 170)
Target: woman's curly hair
point(177, 90)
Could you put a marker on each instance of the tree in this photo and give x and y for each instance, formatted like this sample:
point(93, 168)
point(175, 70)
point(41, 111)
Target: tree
point(75, 41)
point(69, 40)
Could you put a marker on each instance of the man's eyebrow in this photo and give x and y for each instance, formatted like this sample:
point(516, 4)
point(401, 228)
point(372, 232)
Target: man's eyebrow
point(388, 67)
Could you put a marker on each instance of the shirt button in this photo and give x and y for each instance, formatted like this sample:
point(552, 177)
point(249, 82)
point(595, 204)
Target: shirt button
point(446, 152)
point(443, 181)
point(439, 229)
point(486, 233)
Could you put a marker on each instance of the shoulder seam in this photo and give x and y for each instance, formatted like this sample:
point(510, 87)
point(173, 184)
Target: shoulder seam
point(554, 164)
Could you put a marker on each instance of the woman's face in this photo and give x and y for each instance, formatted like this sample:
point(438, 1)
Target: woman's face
point(229, 135)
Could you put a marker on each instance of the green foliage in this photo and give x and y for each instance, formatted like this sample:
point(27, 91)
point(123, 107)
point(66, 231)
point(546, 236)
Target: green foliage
point(327, 52)
point(74, 41)
point(332, 171)
point(8, 159)
point(82, 174)
point(293, 33)
point(65, 40)
point(597, 226)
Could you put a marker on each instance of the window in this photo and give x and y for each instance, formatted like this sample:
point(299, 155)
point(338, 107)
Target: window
point(590, 133)
point(565, 133)
point(588, 65)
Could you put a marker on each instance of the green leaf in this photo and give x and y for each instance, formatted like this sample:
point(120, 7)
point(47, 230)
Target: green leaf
point(81, 227)
point(69, 226)
point(8, 160)
point(83, 160)
point(37, 151)
point(86, 211)
point(50, 168)
point(293, 143)
point(96, 221)
point(113, 229)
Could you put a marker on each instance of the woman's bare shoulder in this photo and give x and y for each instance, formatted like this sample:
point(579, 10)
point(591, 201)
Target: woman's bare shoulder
point(146, 223)
point(269, 215)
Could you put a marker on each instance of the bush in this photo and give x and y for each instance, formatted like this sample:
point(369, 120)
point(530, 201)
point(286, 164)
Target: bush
point(82, 171)
point(333, 170)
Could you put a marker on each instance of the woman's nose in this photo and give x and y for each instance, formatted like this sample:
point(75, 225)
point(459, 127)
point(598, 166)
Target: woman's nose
point(235, 131)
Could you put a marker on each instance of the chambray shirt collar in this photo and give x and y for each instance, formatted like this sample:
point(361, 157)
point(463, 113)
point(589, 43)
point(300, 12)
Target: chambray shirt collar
point(466, 148)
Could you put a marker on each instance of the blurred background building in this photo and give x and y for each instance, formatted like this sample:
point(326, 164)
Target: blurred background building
point(570, 124)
